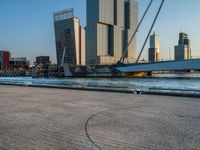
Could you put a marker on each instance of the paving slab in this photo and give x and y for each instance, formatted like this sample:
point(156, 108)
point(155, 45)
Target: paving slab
point(59, 119)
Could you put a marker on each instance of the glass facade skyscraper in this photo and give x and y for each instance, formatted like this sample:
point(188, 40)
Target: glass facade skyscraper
point(68, 36)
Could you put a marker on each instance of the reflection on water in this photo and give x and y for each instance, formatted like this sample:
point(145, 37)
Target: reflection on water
point(170, 83)
point(183, 75)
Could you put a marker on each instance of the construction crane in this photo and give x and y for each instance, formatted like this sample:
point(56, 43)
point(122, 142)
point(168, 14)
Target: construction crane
point(121, 61)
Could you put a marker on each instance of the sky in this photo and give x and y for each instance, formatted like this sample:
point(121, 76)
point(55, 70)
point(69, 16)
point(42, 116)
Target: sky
point(26, 26)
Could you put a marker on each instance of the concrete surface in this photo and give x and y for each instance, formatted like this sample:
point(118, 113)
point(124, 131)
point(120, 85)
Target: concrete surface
point(58, 119)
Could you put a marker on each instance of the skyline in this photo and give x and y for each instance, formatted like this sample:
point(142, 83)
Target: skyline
point(33, 22)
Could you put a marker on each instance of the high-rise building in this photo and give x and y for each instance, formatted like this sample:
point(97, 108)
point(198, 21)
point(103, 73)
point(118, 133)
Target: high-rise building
point(183, 49)
point(4, 60)
point(154, 50)
point(110, 25)
point(69, 38)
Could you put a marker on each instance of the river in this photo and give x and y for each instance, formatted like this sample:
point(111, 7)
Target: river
point(162, 82)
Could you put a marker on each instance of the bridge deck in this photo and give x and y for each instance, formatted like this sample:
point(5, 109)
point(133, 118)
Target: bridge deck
point(193, 64)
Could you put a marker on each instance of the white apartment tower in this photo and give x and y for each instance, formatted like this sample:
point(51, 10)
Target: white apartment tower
point(154, 50)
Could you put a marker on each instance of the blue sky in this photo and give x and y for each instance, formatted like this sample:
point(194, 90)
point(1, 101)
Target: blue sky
point(26, 26)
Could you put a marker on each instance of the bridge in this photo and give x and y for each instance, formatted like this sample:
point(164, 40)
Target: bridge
point(192, 64)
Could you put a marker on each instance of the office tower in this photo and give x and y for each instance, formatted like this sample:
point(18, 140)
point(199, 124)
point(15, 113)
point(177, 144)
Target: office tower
point(45, 60)
point(154, 50)
point(110, 25)
point(4, 60)
point(183, 49)
point(69, 38)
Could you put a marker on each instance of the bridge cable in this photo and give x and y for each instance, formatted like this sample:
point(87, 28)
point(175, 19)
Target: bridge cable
point(136, 30)
point(155, 19)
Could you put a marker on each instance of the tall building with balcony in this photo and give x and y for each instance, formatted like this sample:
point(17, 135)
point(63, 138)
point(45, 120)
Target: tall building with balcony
point(110, 25)
point(183, 49)
point(154, 50)
point(69, 36)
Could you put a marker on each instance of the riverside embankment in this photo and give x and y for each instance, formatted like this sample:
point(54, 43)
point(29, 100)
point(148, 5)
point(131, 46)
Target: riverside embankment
point(176, 85)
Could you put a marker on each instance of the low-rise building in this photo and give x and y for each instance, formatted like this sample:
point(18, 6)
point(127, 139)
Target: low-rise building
point(19, 62)
point(44, 60)
point(4, 60)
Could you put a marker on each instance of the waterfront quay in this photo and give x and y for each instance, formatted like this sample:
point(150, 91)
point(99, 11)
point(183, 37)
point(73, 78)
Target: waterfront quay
point(61, 119)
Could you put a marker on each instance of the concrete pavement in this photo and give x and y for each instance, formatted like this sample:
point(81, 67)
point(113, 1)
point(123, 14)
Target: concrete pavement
point(59, 119)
